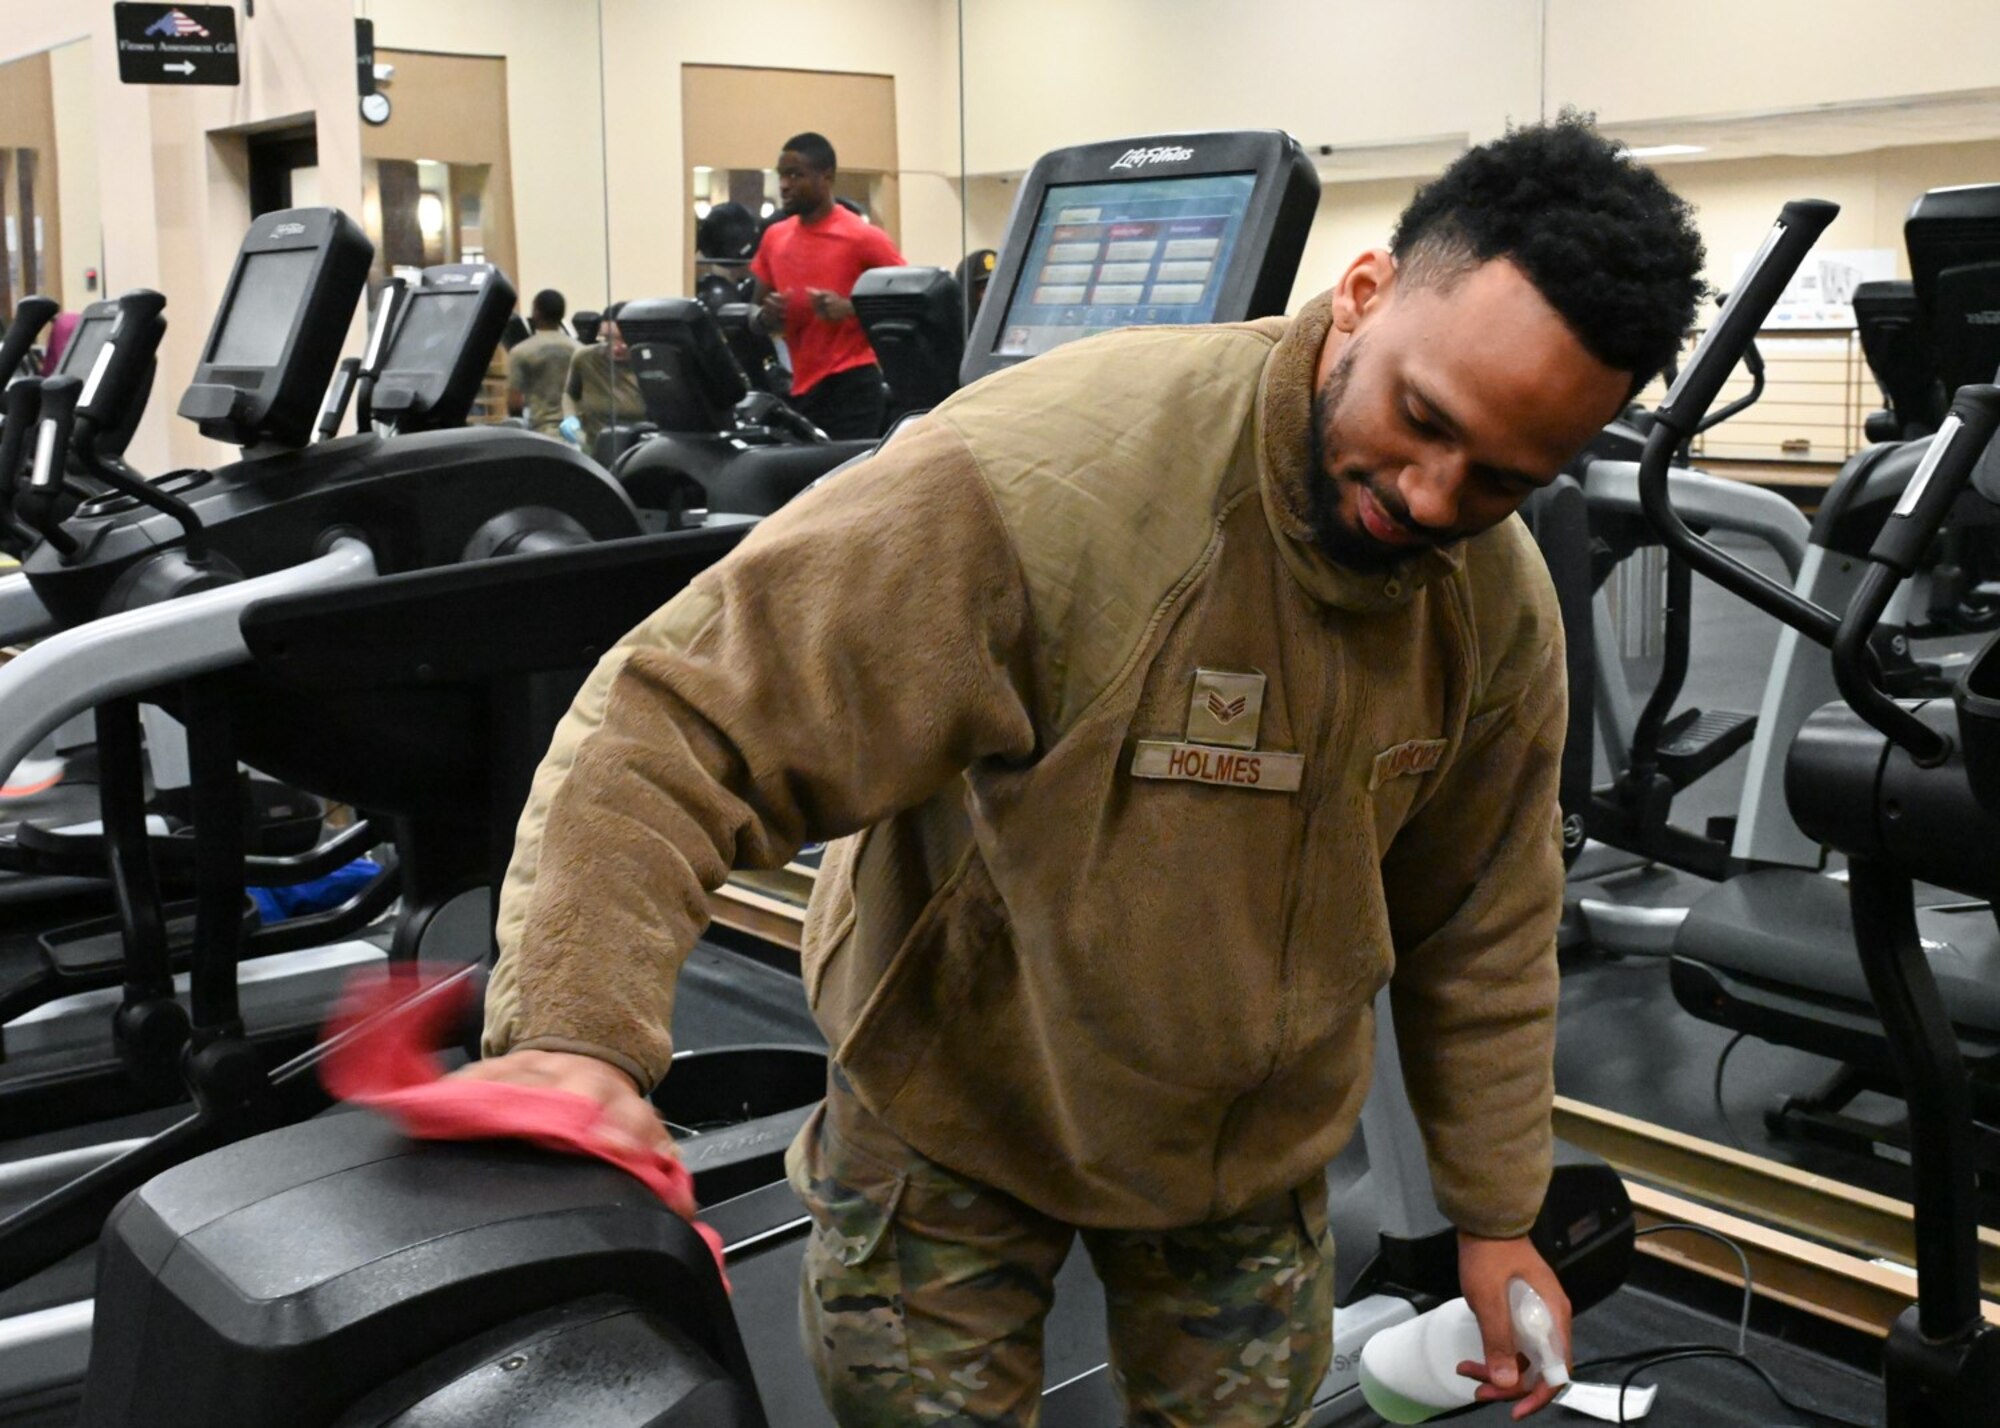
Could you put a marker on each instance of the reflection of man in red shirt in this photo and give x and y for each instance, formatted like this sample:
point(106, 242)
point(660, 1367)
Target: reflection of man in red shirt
point(805, 269)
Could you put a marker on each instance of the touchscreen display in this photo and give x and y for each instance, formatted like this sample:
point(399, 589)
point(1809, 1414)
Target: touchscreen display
point(84, 344)
point(1107, 255)
point(431, 333)
point(266, 306)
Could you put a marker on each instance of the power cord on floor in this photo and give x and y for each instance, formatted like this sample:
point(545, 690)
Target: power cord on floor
point(1722, 1111)
point(1672, 1353)
point(1742, 1261)
point(1675, 1353)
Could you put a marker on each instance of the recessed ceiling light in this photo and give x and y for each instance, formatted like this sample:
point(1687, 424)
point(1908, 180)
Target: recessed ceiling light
point(1666, 151)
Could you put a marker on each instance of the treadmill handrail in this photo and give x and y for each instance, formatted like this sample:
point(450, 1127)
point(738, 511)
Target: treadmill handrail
point(23, 616)
point(80, 668)
point(1713, 502)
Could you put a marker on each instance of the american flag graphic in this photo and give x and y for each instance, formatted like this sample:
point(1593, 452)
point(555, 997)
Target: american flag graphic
point(178, 25)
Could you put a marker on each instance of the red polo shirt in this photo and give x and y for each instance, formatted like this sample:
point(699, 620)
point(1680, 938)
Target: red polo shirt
point(830, 254)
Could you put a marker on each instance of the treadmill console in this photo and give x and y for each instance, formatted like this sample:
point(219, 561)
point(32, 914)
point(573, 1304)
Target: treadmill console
point(278, 334)
point(451, 321)
point(1898, 348)
point(1953, 235)
point(1179, 228)
point(687, 375)
point(915, 321)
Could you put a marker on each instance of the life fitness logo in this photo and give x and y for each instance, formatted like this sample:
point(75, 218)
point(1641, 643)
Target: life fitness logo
point(288, 230)
point(1159, 154)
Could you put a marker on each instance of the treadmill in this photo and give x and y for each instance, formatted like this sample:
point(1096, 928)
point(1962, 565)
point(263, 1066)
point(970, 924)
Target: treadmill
point(1176, 228)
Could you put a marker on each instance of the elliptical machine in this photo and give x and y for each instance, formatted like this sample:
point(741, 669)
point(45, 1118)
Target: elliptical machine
point(710, 441)
point(1909, 789)
point(1760, 953)
point(162, 592)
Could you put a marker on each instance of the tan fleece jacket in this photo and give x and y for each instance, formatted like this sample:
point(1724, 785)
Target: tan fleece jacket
point(1129, 1001)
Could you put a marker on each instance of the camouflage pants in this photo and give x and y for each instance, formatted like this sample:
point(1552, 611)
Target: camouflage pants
point(924, 1295)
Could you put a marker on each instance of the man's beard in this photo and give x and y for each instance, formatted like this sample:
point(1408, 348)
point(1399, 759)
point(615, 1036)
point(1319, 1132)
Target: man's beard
point(1341, 541)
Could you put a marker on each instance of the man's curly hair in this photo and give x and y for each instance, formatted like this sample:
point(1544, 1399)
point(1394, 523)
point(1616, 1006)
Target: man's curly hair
point(1610, 246)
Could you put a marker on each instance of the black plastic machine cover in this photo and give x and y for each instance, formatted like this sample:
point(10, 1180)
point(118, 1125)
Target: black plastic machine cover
point(335, 1269)
point(1953, 235)
point(687, 375)
point(915, 319)
point(278, 334)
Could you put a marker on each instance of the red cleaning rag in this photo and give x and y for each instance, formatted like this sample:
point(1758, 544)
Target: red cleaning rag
point(393, 1068)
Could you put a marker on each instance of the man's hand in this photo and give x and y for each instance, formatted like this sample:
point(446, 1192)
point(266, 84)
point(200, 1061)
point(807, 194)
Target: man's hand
point(1484, 1267)
point(831, 306)
point(771, 311)
point(627, 1115)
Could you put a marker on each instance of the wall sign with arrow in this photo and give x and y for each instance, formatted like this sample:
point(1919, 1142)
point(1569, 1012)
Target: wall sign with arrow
point(176, 44)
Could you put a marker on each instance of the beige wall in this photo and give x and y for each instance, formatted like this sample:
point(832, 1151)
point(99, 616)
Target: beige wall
point(554, 124)
point(297, 62)
point(1639, 59)
point(453, 109)
point(560, 149)
point(1045, 73)
point(76, 145)
point(1735, 200)
point(989, 203)
point(172, 197)
point(1352, 218)
point(647, 42)
point(739, 116)
point(28, 123)
point(1734, 203)
point(27, 26)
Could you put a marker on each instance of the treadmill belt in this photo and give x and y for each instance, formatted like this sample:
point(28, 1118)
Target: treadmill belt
point(725, 999)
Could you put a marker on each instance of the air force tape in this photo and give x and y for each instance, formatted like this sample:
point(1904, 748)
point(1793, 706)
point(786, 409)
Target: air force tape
point(1221, 743)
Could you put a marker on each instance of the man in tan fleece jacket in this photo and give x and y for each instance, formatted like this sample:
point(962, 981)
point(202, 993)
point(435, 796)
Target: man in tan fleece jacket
point(1170, 694)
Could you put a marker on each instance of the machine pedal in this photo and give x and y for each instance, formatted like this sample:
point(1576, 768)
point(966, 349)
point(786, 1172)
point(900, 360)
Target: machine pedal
point(1695, 741)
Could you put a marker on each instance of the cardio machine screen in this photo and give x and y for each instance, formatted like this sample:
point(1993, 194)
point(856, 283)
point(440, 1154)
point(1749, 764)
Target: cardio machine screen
point(264, 309)
point(431, 332)
point(84, 345)
point(1107, 255)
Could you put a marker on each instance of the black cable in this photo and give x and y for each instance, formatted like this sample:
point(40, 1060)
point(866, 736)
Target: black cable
point(1707, 1351)
point(1671, 1353)
point(1722, 1112)
point(1742, 1260)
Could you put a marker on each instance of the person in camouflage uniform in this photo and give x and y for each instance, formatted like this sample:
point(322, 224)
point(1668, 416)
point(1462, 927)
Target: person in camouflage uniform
point(924, 1294)
point(1164, 699)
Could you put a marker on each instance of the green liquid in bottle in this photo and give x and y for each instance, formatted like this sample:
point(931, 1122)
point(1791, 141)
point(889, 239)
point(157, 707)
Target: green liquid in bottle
point(1391, 1405)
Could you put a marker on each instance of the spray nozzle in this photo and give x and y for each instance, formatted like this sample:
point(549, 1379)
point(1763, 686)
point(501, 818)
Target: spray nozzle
point(1535, 1333)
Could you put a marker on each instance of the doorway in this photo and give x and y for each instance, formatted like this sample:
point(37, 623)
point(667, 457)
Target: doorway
point(284, 169)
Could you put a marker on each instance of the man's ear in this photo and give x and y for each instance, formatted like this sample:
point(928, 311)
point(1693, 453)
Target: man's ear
point(1363, 287)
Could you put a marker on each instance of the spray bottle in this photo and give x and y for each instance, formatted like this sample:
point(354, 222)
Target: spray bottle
point(1410, 1372)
